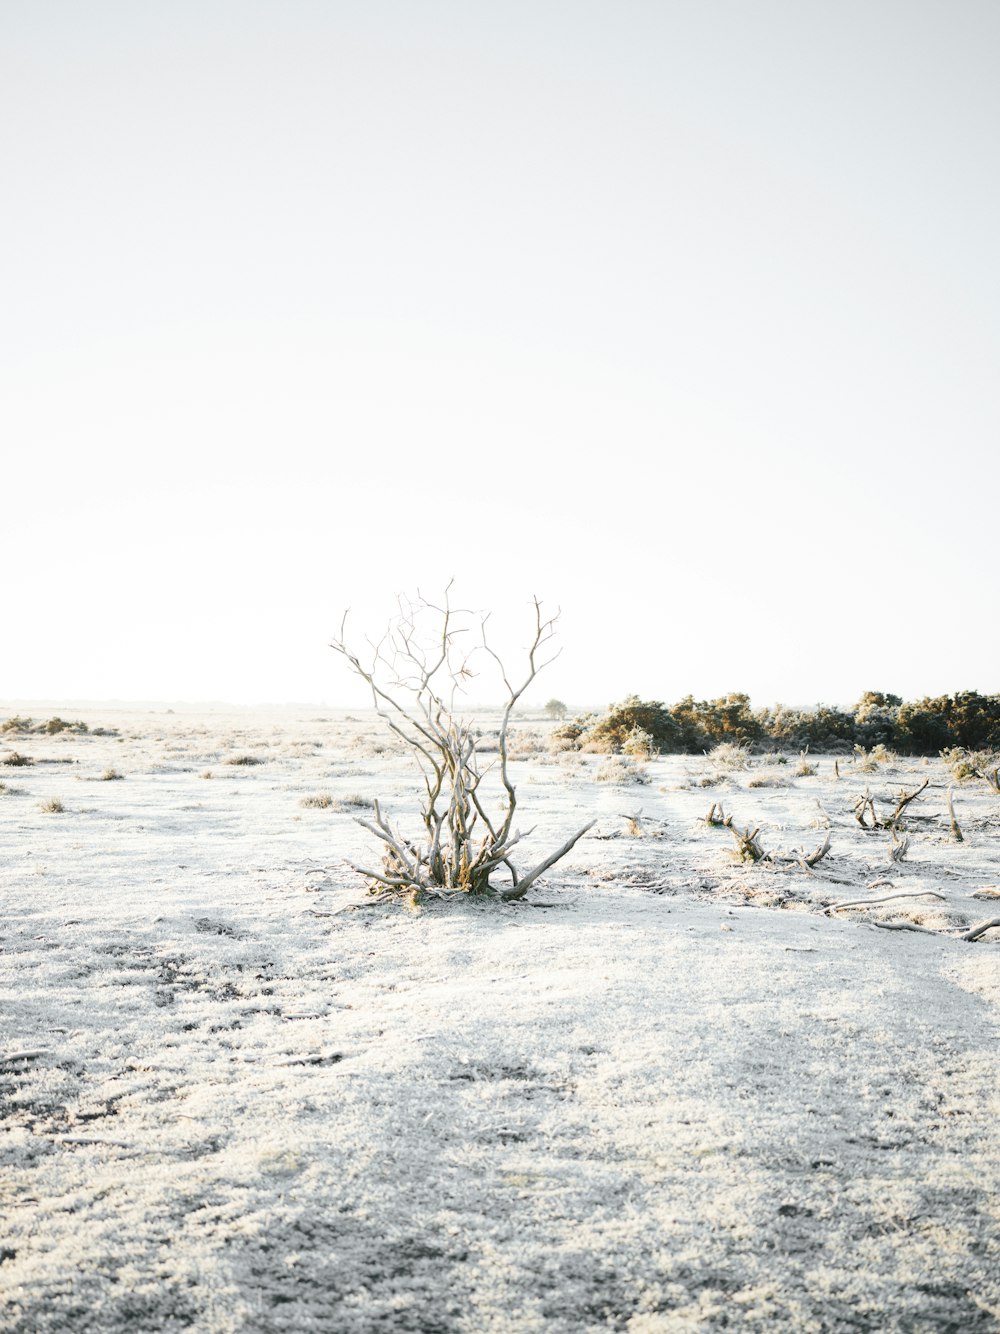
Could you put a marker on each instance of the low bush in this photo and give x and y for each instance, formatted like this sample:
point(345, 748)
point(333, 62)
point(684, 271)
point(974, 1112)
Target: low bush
point(621, 770)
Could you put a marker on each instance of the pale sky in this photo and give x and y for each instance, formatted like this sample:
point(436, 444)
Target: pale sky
point(684, 316)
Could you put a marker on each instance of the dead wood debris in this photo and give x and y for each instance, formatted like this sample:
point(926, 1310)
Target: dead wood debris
point(885, 898)
point(956, 832)
point(868, 817)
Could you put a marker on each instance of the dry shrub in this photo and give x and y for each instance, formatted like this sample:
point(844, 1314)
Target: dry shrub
point(730, 756)
point(621, 771)
point(318, 801)
point(879, 757)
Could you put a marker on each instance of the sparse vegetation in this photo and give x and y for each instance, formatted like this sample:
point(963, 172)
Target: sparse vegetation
point(17, 761)
point(53, 806)
point(244, 760)
point(870, 761)
point(318, 801)
point(111, 776)
point(16, 724)
point(729, 756)
point(621, 770)
point(50, 727)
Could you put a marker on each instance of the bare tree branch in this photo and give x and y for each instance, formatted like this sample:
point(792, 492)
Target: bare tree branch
point(416, 673)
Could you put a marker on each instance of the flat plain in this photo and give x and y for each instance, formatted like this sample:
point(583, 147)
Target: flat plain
point(673, 1090)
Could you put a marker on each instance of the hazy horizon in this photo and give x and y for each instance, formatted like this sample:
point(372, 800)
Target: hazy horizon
point(682, 316)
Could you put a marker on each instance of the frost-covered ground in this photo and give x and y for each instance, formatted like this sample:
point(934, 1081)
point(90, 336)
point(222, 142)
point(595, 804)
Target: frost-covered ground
point(669, 1094)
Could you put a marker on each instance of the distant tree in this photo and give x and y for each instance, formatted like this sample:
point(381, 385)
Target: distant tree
point(556, 709)
point(876, 718)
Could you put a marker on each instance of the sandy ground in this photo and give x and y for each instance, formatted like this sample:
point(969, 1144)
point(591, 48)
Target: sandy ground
point(671, 1093)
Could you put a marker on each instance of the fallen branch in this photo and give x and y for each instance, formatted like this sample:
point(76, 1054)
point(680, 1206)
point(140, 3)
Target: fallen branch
point(521, 886)
point(886, 898)
point(980, 930)
point(795, 858)
point(904, 926)
point(89, 1139)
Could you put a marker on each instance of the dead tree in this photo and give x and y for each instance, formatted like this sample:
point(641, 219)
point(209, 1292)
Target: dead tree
point(416, 674)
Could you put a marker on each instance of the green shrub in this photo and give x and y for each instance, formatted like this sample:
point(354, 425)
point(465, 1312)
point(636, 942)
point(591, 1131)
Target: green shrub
point(623, 721)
